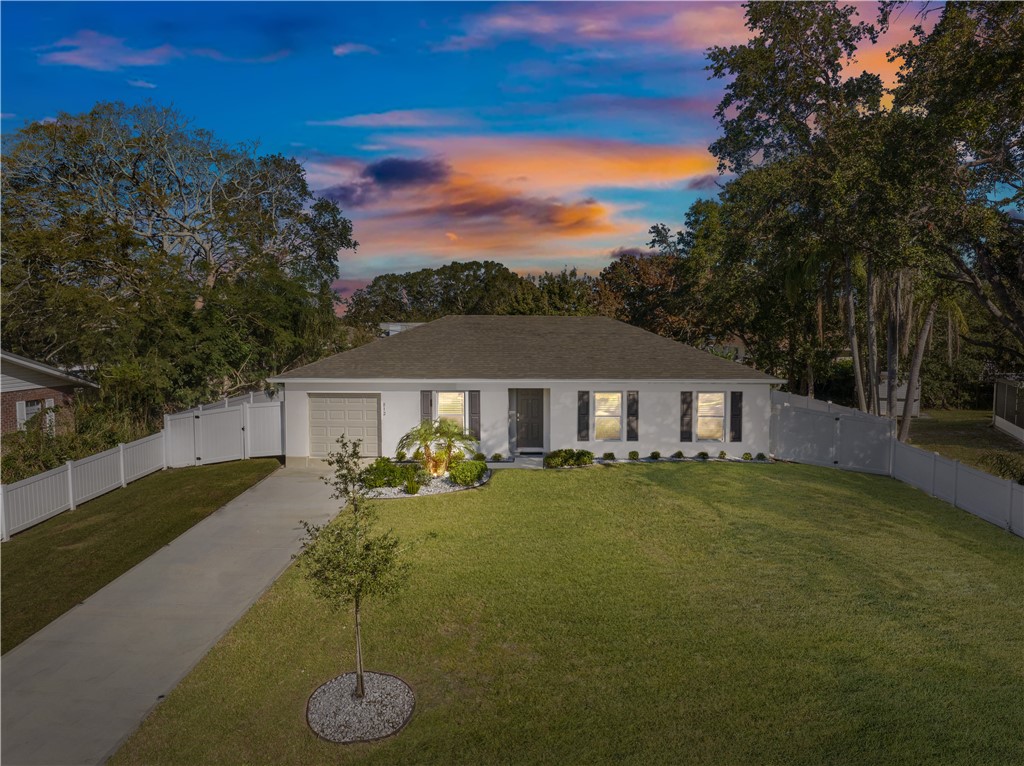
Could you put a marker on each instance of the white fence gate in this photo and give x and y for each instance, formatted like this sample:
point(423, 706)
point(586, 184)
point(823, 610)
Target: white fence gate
point(233, 429)
point(808, 431)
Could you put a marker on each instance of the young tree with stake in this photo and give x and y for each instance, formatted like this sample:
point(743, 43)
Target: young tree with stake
point(345, 560)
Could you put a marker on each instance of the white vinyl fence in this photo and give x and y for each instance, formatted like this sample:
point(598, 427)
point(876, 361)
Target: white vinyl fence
point(232, 429)
point(820, 433)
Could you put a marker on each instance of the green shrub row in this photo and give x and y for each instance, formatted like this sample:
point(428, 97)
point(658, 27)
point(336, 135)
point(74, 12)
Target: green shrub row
point(382, 472)
point(467, 472)
point(567, 457)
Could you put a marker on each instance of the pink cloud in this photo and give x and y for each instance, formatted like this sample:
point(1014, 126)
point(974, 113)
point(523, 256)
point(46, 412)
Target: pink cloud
point(398, 118)
point(92, 50)
point(216, 55)
point(141, 84)
point(347, 49)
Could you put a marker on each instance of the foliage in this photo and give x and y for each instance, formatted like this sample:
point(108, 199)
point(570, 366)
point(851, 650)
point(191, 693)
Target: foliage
point(438, 444)
point(1006, 465)
point(423, 477)
point(382, 472)
point(655, 455)
point(761, 456)
point(497, 457)
point(702, 455)
point(722, 455)
point(174, 267)
point(747, 456)
point(678, 455)
point(88, 427)
point(468, 472)
point(411, 487)
point(634, 455)
point(562, 458)
point(479, 456)
point(400, 456)
point(346, 561)
point(608, 456)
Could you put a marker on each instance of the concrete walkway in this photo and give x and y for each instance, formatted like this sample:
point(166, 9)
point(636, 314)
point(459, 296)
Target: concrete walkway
point(76, 689)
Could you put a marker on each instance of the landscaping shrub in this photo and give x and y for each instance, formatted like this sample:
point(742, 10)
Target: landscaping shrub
point(456, 458)
point(418, 455)
point(480, 457)
point(400, 456)
point(634, 455)
point(678, 454)
point(568, 457)
point(703, 455)
point(466, 473)
point(497, 457)
point(761, 456)
point(382, 472)
point(747, 456)
point(423, 476)
point(608, 456)
point(411, 487)
point(1005, 465)
point(722, 455)
point(655, 455)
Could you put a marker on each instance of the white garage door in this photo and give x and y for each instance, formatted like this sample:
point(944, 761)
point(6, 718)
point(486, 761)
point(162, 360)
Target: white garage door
point(353, 415)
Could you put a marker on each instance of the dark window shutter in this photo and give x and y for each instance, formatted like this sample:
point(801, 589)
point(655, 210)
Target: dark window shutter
point(632, 416)
point(736, 416)
point(583, 417)
point(686, 416)
point(474, 414)
point(426, 405)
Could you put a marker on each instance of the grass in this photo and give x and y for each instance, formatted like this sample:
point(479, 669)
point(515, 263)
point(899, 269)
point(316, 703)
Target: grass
point(664, 613)
point(964, 435)
point(52, 567)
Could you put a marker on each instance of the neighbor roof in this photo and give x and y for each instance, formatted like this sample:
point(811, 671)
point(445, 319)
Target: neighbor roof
point(526, 348)
point(31, 364)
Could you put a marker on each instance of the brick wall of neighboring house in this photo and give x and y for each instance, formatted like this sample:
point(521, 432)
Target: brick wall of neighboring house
point(62, 397)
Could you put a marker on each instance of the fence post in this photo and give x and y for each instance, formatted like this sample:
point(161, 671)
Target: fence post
point(246, 446)
point(935, 459)
point(4, 537)
point(120, 460)
point(166, 440)
point(836, 437)
point(71, 485)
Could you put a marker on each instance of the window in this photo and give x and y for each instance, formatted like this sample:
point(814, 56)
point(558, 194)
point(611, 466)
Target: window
point(608, 416)
point(28, 410)
point(451, 405)
point(711, 417)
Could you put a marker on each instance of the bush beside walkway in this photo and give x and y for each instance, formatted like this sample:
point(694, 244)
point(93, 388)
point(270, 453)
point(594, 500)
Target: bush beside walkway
point(50, 568)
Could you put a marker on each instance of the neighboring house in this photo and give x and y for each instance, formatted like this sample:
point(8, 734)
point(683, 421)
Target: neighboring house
point(393, 328)
point(529, 385)
point(28, 387)
point(1008, 407)
point(901, 397)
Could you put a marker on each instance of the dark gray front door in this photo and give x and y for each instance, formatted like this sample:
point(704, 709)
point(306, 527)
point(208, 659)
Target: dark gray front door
point(530, 419)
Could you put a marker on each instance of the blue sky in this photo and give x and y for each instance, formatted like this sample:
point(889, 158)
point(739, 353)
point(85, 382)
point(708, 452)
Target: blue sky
point(540, 135)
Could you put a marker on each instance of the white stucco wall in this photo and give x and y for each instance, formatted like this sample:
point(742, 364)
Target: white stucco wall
point(658, 425)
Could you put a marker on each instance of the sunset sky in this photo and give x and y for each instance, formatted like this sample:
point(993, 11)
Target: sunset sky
point(540, 135)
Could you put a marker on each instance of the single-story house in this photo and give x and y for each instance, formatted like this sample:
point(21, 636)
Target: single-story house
point(28, 387)
point(529, 385)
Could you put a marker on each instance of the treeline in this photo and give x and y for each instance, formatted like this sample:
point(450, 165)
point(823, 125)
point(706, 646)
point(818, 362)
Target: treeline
point(166, 265)
point(858, 231)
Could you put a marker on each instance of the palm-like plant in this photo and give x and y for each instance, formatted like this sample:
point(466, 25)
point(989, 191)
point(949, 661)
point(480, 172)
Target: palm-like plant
point(438, 440)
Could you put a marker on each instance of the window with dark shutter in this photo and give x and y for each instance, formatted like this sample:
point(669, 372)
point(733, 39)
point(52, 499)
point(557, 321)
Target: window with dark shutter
point(426, 405)
point(736, 416)
point(583, 416)
point(632, 416)
point(686, 416)
point(474, 414)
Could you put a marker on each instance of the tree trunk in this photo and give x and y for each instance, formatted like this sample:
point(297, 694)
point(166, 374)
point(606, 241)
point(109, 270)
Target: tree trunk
point(872, 340)
point(915, 371)
point(360, 691)
point(851, 327)
point(893, 349)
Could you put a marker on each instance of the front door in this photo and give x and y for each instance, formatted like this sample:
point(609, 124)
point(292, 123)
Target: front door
point(530, 418)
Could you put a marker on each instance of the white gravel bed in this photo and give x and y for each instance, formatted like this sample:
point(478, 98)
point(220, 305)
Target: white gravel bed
point(335, 714)
point(437, 486)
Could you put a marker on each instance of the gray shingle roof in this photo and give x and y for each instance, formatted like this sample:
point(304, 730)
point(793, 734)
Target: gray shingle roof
point(526, 348)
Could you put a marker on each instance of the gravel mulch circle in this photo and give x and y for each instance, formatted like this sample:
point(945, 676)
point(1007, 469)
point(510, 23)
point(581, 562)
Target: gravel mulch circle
point(334, 713)
point(438, 486)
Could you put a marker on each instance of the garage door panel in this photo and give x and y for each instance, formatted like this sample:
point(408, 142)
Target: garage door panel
point(355, 417)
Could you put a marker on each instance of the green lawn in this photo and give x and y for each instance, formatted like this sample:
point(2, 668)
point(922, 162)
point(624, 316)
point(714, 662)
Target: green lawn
point(673, 613)
point(49, 568)
point(964, 435)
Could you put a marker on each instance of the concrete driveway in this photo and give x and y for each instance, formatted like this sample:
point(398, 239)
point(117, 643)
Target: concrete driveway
point(74, 691)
